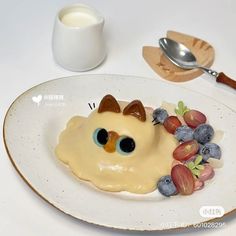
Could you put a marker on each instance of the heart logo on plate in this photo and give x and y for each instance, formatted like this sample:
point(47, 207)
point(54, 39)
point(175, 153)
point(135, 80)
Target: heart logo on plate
point(37, 99)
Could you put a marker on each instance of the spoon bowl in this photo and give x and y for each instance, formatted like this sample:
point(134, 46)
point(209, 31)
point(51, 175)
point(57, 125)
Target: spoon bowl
point(178, 53)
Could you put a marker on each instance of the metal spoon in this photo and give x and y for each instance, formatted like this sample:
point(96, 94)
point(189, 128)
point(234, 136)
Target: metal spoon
point(182, 57)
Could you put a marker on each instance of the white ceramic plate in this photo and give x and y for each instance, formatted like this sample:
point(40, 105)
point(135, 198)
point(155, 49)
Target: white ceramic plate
point(35, 119)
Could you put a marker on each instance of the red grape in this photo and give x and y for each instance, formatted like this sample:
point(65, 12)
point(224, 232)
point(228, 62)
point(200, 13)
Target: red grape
point(186, 150)
point(193, 118)
point(171, 123)
point(183, 179)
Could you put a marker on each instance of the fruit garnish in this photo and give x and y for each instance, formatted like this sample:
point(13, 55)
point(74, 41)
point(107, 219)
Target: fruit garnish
point(193, 118)
point(203, 133)
point(183, 179)
point(183, 133)
point(166, 186)
point(215, 163)
point(195, 166)
point(210, 150)
point(181, 109)
point(198, 185)
point(186, 150)
point(159, 115)
point(171, 123)
point(207, 173)
point(188, 171)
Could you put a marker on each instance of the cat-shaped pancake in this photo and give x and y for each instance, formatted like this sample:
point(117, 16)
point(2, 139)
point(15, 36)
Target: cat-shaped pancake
point(117, 147)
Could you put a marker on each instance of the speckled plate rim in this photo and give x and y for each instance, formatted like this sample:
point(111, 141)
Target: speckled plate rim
point(217, 219)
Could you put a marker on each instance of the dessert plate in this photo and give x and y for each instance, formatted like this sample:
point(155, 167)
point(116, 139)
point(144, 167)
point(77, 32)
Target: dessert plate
point(36, 118)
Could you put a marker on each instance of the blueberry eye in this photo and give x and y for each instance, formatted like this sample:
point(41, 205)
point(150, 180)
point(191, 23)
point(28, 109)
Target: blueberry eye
point(125, 145)
point(100, 137)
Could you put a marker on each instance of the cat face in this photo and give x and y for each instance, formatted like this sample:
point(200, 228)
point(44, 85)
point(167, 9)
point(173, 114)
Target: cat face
point(120, 130)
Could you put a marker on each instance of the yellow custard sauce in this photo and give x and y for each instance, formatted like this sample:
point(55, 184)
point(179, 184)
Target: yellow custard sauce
point(135, 172)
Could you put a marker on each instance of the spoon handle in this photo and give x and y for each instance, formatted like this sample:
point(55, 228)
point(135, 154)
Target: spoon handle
point(222, 78)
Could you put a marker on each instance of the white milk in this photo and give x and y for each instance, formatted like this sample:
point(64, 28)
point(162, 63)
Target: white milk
point(78, 19)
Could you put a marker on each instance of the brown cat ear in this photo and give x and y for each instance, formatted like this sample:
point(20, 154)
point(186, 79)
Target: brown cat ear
point(135, 109)
point(109, 103)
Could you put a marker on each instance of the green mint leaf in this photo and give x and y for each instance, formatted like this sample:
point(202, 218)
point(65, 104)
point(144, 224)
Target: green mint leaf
point(191, 165)
point(181, 105)
point(196, 172)
point(181, 109)
point(185, 110)
point(177, 111)
point(200, 167)
point(198, 160)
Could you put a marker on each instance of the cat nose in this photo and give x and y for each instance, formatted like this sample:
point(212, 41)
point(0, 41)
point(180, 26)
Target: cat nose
point(110, 146)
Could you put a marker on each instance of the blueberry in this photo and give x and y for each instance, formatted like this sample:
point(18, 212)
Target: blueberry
point(159, 115)
point(202, 161)
point(203, 133)
point(184, 133)
point(210, 150)
point(166, 186)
